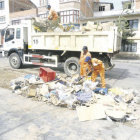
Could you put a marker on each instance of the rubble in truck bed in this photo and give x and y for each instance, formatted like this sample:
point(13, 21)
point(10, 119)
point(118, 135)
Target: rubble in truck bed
point(90, 101)
point(45, 25)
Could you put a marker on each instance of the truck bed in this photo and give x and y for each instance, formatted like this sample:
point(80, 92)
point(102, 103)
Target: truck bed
point(97, 41)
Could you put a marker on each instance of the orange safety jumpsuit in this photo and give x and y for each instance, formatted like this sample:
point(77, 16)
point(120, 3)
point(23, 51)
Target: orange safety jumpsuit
point(99, 69)
point(83, 64)
point(53, 15)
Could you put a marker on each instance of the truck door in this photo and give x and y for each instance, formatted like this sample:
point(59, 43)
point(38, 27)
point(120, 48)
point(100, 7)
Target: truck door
point(19, 38)
point(13, 39)
point(9, 39)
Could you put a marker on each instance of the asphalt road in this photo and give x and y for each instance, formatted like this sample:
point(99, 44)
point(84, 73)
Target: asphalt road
point(24, 119)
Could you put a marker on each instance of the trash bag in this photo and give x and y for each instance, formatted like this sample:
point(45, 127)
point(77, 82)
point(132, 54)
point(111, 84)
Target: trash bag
point(84, 97)
point(103, 91)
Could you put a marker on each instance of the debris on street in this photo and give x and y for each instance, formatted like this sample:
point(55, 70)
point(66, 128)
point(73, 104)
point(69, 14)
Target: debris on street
point(82, 95)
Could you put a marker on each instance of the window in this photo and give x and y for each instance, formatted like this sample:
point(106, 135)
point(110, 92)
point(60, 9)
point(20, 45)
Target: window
point(111, 6)
point(101, 8)
point(1, 5)
point(2, 19)
point(9, 34)
point(70, 16)
point(129, 6)
point(16, 22)
point(18, 33)
point(131, 47)
point(133, 24)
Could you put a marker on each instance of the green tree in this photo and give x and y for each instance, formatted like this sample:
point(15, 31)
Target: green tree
point(124, 27)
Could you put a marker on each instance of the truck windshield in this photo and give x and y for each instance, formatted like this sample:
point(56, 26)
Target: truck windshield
point(9, 34)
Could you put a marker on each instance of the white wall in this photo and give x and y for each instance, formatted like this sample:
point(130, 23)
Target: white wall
point(54, 4)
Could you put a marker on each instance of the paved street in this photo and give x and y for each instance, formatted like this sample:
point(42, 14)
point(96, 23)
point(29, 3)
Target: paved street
point(24, 119)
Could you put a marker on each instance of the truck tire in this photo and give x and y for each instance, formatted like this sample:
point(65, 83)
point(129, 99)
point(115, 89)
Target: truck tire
point(71, 66)
point(107, 63)
point(15, 61)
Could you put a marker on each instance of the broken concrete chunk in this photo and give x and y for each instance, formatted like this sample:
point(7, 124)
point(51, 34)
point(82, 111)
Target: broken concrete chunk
point(43, 90)
point(128, 97)
point(116, 91)
point(115, 115)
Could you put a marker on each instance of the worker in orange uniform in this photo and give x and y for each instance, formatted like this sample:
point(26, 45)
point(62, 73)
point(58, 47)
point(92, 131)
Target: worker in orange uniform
point(83, 64)
point(97, 67)
point(52, 14)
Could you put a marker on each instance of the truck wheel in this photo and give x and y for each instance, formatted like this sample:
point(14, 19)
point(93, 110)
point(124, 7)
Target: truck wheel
point(106, 61)
point(15, 61)
point(71, 66)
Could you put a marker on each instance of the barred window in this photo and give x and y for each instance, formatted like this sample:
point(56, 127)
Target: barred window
point(69, 16)
point(101, 8)
point(133, 24)
point(129, 47)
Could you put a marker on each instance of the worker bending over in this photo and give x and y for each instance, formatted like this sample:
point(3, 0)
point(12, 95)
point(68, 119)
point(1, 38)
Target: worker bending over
point(83, 64)
point(97, 67)
point(52, 14)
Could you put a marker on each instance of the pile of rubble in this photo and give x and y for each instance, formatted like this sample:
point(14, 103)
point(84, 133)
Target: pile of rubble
point(91, 26)
point(45, 25)
point(90, 101)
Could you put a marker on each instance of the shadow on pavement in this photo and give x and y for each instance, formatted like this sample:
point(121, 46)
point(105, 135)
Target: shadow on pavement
point(117, 73)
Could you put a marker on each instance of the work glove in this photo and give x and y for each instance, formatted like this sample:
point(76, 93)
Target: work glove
point(95, 64)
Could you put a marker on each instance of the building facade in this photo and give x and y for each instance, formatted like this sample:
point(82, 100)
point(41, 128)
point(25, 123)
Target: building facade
point(69, 11)
point(132, 14)
point(72, 11)
point(20, 10)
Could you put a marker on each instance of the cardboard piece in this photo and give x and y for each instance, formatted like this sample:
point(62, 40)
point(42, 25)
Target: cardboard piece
point(94, 112)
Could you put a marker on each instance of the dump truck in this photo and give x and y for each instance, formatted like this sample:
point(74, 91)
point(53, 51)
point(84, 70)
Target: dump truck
point(23, 45)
